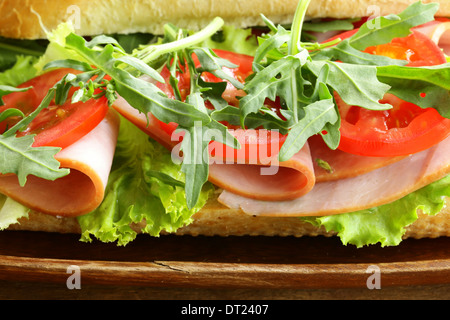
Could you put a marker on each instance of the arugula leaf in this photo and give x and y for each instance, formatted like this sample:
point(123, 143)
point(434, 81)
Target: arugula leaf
point(272, 43)
point(5, 90)
point(194, 166)
point(356, 84)
point(317, 115)
point(393, 26)
point(130, 42)
point(142, 95)
point(210, 62)
point(270, 82)
point(11, 112)
point(265, 118)
point(344, 52)
point(212, 92)
point(24, 160)
point(330, 132)
point(69, 63)
point(427, 87)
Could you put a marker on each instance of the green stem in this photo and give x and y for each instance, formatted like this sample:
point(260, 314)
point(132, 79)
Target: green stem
point(26, 121)
point(293, 49)
point(297, 26)
point(152, 52)
point(319, 46)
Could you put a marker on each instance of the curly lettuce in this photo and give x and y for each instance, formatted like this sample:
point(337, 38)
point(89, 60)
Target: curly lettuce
point(145, 188)
point(10, 212)
point(386, 224)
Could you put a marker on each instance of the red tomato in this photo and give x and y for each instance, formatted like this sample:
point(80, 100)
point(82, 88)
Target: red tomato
point(416, 48)
point(257, 146)
point(56, 126)
point(406, 128)
point(240, 73)
point(243, 70)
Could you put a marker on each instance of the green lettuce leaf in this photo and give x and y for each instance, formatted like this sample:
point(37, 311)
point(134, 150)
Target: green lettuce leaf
point(136, 194)
point(10, 212)
point(22, 71)
point(56, 50)
point(386, 224)
point(11, 49)
point(233, 39)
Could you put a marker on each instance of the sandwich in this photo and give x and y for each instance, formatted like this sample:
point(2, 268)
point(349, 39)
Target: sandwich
point(282, 118)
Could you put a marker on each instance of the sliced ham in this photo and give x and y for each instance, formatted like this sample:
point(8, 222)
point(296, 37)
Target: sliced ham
point(375, 188)
point(286, 180)
point(342, 165)
point(242, 174)
point(80, 192)
point(439, 32)
point(282, 181)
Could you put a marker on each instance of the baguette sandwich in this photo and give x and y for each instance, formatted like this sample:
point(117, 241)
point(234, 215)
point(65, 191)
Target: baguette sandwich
point(226, 118)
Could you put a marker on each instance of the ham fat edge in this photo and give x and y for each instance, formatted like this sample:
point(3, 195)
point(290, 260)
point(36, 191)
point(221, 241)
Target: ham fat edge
point(299, 187)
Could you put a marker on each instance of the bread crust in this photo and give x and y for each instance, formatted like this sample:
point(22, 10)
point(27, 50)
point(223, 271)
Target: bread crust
point(28, 19)
point(216, 220)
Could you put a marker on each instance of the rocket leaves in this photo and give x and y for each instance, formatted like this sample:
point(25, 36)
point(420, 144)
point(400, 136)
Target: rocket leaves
point(118, 73)
point(294, 71)
point(302, 76)
point(393, 26)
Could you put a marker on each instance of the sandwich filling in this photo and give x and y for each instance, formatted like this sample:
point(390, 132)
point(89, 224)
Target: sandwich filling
point(348, 132)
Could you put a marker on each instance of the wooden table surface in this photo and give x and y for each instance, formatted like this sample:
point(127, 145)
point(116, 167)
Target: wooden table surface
point(34, 266)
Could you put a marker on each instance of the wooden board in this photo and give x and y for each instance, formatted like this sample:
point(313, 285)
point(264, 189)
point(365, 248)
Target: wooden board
point(227, 263)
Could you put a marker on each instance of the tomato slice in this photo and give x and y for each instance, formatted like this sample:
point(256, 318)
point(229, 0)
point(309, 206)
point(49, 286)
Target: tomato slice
point(416, 48)
point(404, 129)
point(243, 70)
point(56, 126)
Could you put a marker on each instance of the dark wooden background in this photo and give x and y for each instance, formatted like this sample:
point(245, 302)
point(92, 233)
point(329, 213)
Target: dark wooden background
point(33, 265)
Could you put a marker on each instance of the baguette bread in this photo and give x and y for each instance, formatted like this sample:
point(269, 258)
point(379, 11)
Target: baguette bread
point(28, 19)
point(214, 219)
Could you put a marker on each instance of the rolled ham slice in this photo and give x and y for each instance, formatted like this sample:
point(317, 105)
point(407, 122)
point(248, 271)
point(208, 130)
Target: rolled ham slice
point(439, 33)
point(375, 188)
point(89, 160)
point(281, 181)
point(341, 164)
point(271, 180)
